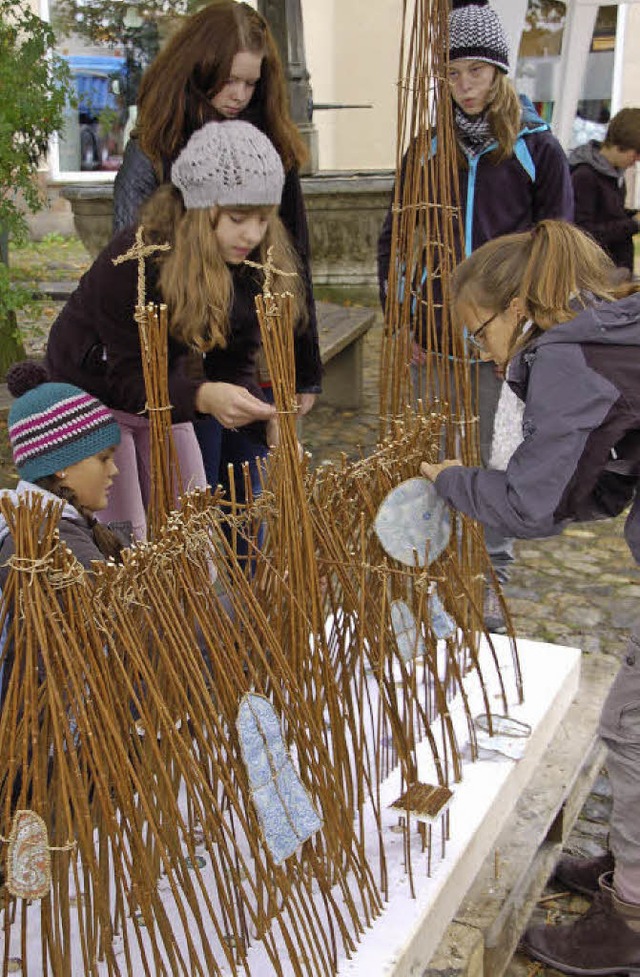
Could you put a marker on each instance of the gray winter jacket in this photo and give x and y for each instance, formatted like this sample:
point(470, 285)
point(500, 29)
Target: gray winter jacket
point(580, 457)
point(600, 192)
point(73, 529)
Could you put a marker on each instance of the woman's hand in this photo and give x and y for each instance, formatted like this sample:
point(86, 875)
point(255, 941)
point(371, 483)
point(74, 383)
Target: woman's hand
point(305, 402)
point(432, 471)
point(233, 406)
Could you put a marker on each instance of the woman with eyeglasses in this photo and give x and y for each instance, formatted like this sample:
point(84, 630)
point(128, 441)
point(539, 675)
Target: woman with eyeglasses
point(540, 305)
point(512, 173)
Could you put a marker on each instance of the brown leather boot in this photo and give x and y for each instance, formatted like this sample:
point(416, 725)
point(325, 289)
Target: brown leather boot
point(603, 942)
point(582, 874)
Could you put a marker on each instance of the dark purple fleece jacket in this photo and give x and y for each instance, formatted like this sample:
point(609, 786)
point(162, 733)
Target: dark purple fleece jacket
point(94, 341)
point(600, 193)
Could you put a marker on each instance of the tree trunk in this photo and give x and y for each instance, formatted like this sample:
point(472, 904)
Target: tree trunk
point(11, 345)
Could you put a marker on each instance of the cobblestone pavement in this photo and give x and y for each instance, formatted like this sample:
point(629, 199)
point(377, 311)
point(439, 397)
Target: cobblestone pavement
point(580, 589)
point(557, 906)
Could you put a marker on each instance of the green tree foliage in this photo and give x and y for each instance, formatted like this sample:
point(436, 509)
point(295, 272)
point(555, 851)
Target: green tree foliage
point(545, 12)
point(108, 21)
point(34, 87)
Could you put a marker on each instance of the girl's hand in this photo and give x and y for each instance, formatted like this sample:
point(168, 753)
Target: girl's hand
point(273, 432)
point(432, 471)
point(273, 436)
point(305, 402)
point(233, 406)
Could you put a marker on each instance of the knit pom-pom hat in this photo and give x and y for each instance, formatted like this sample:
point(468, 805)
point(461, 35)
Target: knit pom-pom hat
point(228, 164)
point(475, 31)
point(54, 425)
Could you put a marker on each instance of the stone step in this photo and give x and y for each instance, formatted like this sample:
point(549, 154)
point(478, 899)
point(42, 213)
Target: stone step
point(58, 291)
point(484, 933)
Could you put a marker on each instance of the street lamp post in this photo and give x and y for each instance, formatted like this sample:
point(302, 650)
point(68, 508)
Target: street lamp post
point(285, 20)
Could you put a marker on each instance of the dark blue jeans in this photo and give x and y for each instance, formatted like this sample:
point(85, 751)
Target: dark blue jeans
point(222, 447)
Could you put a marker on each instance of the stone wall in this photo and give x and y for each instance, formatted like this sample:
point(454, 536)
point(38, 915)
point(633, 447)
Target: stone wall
point(345, 213)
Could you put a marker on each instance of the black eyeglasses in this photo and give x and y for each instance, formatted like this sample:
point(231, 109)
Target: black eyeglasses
point(474, 338)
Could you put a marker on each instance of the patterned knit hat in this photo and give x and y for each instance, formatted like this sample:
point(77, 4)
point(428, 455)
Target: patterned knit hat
point(228, 164)
point(54, 425)
point(475, 32)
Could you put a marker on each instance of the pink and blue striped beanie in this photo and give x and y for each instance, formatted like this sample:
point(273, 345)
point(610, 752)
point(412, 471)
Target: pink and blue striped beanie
point(54, 425)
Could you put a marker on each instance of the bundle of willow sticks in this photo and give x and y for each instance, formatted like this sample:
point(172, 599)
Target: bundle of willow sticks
point(120, 726)
point(195, 745)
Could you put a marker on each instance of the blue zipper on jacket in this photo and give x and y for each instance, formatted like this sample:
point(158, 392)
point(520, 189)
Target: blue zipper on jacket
point(471, 192)
point(524, 157)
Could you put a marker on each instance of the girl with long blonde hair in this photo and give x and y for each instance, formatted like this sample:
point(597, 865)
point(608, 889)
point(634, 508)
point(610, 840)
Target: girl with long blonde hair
point(220, 208)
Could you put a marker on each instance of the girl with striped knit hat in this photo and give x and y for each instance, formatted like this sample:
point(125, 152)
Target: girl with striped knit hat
point(63, 442)
point(512, 174)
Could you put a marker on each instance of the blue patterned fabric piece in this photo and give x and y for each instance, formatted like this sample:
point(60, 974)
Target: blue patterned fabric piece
point(260, 738)
point(286, 814)
point(442, 624)
point(408, 638)
point(412, 515)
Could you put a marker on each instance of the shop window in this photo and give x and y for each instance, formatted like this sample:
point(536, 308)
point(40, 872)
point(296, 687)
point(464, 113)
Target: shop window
point(539, 60)
point(107, 47)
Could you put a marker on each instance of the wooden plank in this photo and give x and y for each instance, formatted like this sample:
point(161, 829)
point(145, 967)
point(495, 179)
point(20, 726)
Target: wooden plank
point(57, 291)
point(339, 327)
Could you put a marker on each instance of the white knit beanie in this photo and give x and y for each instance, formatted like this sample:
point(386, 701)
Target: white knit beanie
point(228, 164)
point(475, 31)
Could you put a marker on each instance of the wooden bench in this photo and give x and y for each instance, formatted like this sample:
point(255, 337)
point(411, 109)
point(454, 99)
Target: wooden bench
point(342, 332)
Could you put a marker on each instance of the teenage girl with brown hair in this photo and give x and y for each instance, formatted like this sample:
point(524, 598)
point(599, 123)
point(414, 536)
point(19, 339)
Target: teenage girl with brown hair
point(222, 63)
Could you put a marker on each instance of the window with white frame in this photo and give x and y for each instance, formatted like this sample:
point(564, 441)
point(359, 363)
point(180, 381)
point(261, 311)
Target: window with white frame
point(107, 45)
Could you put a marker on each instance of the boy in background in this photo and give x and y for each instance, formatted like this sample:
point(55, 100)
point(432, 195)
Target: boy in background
point(597, 172)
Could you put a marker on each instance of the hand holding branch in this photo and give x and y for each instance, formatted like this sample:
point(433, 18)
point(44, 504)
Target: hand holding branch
point(431, 471)
point(232, 405)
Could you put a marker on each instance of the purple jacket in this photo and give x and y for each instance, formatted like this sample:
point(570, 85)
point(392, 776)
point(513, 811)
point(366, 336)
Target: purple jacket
point(600, 193)
point(580, 457)
point(532, 185)
point(94, 341)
